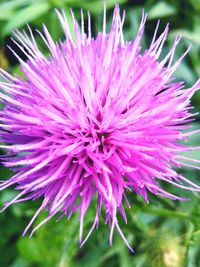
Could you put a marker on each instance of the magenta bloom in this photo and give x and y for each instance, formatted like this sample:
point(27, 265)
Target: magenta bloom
point(94, 120)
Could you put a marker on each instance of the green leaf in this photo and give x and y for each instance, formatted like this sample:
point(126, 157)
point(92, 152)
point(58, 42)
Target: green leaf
point(26, 15)
point(193, 36)
point(8, 8)
point(161, 9)
point(193, 141)
point(30, 249)
point(184, 72)
point(20, 263)
point(196, 235)
point(94, 7)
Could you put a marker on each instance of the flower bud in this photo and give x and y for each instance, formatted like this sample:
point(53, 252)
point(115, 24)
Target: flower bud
point(164, 249)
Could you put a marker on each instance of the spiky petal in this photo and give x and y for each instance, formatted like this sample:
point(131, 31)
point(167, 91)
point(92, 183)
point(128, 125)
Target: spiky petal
point(97, 117)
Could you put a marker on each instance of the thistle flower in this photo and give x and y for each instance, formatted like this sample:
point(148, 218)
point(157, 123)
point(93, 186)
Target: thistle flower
point(95, 119)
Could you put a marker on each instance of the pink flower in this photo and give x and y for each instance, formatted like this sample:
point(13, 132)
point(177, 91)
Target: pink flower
point(95, 119)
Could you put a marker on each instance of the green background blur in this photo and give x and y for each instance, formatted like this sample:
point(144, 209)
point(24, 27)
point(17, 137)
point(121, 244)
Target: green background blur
point(164, 233)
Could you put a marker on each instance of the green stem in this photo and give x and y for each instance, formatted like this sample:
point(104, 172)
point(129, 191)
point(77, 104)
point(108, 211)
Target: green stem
point(187, 240)
point(168, 213)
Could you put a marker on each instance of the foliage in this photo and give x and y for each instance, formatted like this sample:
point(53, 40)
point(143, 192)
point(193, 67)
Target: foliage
point(56, 243)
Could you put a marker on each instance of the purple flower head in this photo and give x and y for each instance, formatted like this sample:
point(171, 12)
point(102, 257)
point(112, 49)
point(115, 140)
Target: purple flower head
point(93, 120)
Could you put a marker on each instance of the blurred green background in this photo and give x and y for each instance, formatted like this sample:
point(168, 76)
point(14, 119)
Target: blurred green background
point(164, 233)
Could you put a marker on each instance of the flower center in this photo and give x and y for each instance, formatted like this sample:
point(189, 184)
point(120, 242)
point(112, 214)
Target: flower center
point(95, 140)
